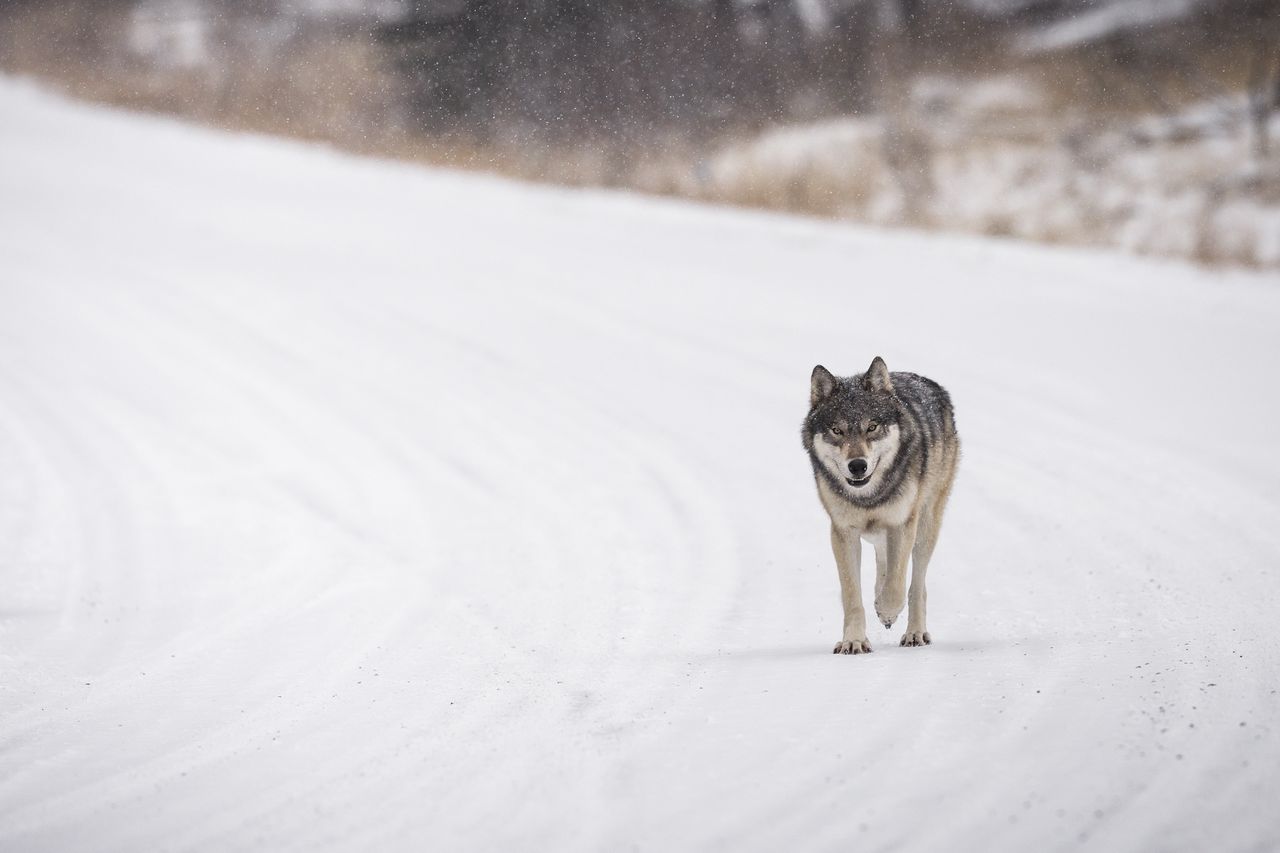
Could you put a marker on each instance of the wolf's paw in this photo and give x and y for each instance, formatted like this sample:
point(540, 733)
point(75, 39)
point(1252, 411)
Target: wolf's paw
point(887, 617)
point(916, 638)
point(852, 647)
point(888, 607)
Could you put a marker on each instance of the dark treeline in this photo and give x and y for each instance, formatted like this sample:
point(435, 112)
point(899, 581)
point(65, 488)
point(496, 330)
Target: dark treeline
point(624, 69)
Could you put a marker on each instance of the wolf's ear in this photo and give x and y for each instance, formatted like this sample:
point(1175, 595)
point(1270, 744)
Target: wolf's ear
point(821, 384)
point(877, 376)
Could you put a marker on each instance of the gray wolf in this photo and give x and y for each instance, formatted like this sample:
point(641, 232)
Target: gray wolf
point(884, 451)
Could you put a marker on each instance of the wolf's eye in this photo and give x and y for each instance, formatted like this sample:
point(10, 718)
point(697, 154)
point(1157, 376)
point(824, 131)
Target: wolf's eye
point(872, 426)
point(835, 430)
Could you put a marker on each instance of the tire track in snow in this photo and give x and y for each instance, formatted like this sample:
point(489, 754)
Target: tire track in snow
point(281, 404)
point(86, 457)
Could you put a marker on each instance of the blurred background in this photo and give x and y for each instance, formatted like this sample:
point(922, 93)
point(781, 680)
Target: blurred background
point(1143, 124)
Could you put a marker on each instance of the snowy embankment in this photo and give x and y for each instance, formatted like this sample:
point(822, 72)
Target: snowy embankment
point(1003, 160)
point(346, 505)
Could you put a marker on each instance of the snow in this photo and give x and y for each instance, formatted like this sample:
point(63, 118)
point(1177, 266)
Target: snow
point(349, 505)
point(1106, 20)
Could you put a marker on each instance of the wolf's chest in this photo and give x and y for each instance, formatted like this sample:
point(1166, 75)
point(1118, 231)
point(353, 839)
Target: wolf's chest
point(870, 521)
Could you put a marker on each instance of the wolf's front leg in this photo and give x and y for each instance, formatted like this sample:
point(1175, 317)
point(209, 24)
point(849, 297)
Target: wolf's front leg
point(893, 594)
point(847, 546)
point(882, 568)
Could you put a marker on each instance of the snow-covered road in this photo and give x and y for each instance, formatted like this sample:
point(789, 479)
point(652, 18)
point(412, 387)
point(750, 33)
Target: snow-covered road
point(346, 505)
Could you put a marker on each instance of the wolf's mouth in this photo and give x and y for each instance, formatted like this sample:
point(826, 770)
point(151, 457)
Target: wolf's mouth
point(857, 484)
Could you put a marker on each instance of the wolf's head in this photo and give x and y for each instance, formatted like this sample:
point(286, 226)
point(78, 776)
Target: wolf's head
point(852, 431)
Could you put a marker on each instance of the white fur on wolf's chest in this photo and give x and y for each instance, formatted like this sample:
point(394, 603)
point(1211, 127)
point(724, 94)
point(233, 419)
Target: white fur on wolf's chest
point(870, 522)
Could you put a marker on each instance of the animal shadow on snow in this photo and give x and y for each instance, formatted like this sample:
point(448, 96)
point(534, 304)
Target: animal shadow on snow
point(963, 645)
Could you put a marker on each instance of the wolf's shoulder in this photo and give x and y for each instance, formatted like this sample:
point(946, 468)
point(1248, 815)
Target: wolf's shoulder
point(926, 400)
point(920, 388)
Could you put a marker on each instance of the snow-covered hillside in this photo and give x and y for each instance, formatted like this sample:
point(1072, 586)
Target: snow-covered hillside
point(347, 505)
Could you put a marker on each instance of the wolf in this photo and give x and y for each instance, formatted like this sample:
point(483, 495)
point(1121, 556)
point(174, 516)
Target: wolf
point(884, 451)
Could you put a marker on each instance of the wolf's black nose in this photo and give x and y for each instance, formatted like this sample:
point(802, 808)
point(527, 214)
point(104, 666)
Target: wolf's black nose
point(858, 467)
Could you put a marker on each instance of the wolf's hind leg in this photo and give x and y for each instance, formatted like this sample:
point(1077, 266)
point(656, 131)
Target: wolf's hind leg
point(917, 597)
point(847, 547)
point(893, 594)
